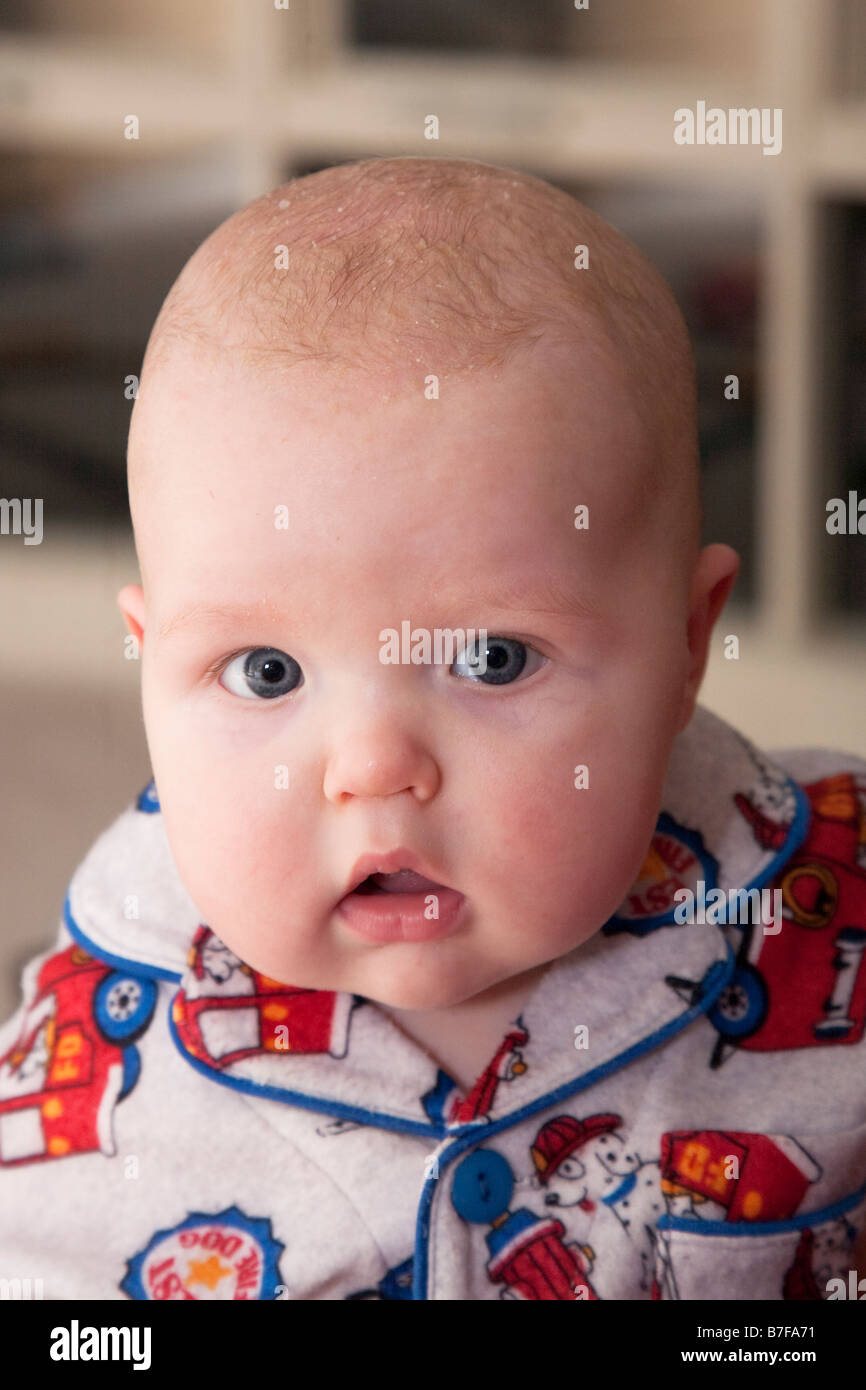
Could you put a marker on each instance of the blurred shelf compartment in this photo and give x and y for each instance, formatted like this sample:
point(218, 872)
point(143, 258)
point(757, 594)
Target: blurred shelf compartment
point(839, 161)
point(546, 26)
point(73, 94)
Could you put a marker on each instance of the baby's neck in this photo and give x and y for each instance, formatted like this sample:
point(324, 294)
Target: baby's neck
point(463, 1038)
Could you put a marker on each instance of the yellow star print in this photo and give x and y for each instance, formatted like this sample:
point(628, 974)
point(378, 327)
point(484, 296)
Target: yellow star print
point(208, 1272)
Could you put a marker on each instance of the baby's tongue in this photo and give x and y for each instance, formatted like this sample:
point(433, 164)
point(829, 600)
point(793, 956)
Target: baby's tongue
point(403, 881)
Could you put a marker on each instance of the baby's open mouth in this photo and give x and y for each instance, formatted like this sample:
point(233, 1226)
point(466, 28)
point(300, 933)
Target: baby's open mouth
point(402, 881)
point(400, 904)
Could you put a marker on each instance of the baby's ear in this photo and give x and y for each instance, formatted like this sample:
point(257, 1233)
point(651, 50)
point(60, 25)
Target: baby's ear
point(130, 601)
point(712, 582)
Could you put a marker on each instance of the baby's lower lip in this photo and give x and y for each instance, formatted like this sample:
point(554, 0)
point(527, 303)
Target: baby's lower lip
point(388, 916)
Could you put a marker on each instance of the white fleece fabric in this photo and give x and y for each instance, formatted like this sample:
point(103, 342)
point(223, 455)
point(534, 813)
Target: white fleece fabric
point(679, 1112)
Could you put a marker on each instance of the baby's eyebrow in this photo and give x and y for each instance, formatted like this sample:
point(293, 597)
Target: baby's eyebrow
point(211, 615)
point(538, 595)
point(550, 596)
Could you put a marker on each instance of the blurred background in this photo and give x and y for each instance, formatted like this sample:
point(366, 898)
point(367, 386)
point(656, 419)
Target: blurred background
point(767, 256)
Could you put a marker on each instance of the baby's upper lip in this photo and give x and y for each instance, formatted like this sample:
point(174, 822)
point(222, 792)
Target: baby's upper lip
point(388, 863)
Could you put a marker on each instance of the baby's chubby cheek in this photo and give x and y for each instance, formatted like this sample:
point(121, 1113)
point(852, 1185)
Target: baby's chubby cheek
point(242, 838)
point(555, 832)
point(253, 885)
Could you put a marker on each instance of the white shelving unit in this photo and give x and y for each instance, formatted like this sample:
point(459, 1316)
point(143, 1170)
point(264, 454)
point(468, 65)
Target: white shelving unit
point(283, 87)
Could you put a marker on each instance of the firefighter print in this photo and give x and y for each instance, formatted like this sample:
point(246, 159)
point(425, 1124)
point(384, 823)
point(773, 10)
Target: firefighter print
point(589, 1166)
point(528, 1254)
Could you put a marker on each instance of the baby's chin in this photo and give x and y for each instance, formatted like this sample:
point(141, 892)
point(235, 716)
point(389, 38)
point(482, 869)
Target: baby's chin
point(422, 998)
point(417, 985)
point(428, 989)
point(423, 992)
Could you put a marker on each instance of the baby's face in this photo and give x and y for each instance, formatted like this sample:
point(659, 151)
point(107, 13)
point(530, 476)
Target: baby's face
point(277, 773)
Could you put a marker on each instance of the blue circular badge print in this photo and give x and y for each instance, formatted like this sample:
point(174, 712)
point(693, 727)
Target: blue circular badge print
point(227, 1256)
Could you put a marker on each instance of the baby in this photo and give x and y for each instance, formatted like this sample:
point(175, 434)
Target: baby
point(397, 424)
point(415, 917)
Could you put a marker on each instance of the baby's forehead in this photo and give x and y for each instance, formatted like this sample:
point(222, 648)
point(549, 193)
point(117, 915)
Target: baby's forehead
point(555, 412)
point(512, 475)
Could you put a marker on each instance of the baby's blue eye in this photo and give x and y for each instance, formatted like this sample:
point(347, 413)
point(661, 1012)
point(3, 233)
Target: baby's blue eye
point(263, 672)
point(506, 660)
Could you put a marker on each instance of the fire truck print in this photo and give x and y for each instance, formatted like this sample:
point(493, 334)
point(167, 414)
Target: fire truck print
point(806, 985)
point(227, 1011)
point(767, 1181)
point(74, 1059)
point(728, 1176)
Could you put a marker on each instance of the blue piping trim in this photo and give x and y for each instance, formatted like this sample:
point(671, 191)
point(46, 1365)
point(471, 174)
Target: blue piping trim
point(797, 833)
point(304, 1102)
point(762, 1228)
point(135, 967)
point(466, 1141)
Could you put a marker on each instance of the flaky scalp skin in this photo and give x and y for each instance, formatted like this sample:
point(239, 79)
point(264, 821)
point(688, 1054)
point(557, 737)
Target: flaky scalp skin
point(415, 265)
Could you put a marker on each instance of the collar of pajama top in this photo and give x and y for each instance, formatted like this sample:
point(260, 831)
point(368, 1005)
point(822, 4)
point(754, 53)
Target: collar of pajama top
point(731, 817)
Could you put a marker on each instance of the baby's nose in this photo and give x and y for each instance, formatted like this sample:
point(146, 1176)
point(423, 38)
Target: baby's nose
point(381, 762)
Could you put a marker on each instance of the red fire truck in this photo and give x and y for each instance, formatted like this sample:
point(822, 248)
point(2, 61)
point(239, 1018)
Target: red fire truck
point(74, 1058)
point(805, 986)
point(228, 1011)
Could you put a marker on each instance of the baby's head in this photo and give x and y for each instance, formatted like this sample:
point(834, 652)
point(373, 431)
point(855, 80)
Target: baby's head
point(374, 398)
